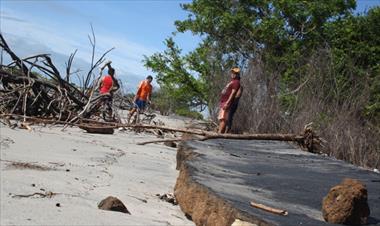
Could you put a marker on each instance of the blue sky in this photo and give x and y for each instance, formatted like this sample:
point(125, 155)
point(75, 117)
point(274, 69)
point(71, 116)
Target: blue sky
point(135, 28)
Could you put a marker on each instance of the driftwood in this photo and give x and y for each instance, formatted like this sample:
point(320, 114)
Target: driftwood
point(91, 128)
point(48, 194)
point(33, 86)
point(307, 140)
point(269, 209)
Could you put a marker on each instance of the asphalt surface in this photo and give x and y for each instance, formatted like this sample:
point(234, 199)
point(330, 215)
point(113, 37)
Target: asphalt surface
point(276, 174)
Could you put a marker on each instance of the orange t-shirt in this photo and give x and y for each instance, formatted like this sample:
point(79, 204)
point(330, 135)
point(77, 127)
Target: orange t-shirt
point(107, 83)
point(144, 90)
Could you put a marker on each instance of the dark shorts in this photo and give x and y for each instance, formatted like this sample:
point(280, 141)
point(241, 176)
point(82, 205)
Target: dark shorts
point(140, 104)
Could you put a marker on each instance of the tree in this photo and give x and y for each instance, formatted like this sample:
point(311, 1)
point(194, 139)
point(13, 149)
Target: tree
point(179, 76)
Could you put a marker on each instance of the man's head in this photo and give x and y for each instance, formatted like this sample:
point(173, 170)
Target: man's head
point(111, 71)
point(149, 78)
point(235, 72)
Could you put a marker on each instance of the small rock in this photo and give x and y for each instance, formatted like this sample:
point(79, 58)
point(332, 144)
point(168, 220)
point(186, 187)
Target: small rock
point(33, 185)
point(74, 149)
point(67, 170)
point(113, 204)
point(376, 171)
point(58, 205)
point(170, 144)
point(346, 203)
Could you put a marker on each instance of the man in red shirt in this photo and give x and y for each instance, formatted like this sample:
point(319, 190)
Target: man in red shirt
point(227, 97)
point(107, 86)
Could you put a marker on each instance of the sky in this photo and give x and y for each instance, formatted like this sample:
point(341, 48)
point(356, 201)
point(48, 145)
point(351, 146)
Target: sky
point(134, 27)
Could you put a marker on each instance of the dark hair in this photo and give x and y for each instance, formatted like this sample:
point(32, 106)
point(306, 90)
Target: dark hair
point(111, 71)
point(238, 76)
point(149, 77)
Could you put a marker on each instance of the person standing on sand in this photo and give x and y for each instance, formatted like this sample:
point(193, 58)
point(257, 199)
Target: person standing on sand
point(234, 106)
point(107, 86)
point(226, 98)
point(142, 96)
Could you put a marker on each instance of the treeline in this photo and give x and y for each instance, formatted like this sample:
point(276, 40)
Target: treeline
point(302, 61)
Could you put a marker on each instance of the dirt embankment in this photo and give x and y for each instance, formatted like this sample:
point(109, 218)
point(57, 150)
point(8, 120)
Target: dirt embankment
point(200, 203)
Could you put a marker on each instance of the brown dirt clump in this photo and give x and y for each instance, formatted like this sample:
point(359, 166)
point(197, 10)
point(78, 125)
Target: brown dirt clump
point(113, 204)
point(346, 203)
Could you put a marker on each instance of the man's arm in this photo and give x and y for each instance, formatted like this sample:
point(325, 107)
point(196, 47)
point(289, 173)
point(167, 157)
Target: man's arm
point(230, 98)
point(115, 85)
point(149, 95)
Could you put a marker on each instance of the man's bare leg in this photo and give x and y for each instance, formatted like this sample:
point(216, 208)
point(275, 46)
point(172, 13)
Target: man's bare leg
point(222, 126)
point(130, 115)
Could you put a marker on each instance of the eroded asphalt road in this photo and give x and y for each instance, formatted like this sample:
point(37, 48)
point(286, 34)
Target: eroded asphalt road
point(276, 174)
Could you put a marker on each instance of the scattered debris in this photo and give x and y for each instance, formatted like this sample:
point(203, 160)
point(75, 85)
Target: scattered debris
point(27, 165)
point(58, 204)
point(235, 155)
point(168, 197)
point(113, 204)
point(269, 209)
point(346, 203)
point(48, 194)
point(140, 199)
point(25, 125)
point(57, 163)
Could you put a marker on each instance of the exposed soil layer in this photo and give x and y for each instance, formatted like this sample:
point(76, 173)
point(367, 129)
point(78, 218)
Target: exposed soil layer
point(219, 178)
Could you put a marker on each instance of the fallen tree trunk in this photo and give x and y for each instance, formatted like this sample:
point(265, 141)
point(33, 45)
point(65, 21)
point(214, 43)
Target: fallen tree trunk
point(263, 136)
point(307, 140)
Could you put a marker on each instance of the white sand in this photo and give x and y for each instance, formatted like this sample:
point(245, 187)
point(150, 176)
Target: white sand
point(99, 166)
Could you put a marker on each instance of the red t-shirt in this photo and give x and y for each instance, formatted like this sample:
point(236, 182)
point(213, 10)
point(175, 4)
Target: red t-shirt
point(233, 84)
point(107, 83)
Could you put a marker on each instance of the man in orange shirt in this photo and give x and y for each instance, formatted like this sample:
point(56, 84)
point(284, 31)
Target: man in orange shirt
point(142, 96)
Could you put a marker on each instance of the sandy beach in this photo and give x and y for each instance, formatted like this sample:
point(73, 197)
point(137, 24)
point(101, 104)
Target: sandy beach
point(55, 177)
